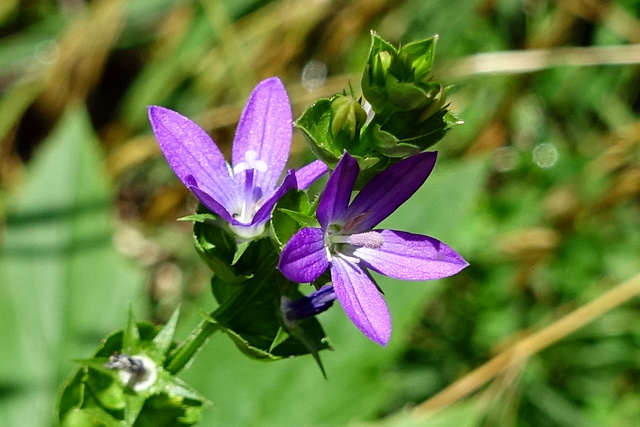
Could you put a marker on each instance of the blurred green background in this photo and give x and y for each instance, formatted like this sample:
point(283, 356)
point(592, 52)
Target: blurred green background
point(539, 190)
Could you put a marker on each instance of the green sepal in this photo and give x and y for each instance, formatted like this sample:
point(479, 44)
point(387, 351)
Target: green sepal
point(404, 130)
point(201, 217)
point(131, 335)
point(387, 144)
point(405, 96)
point(301, 219)
point(218, 248)
point(292, 212)
point(133, 407)
point(241, 247)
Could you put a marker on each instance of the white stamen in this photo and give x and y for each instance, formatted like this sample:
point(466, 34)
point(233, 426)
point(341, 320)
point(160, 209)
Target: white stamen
point(251, 161)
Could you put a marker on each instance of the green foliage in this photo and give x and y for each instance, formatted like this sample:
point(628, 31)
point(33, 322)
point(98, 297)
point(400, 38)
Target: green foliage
point(407, 110)
point(249, 288)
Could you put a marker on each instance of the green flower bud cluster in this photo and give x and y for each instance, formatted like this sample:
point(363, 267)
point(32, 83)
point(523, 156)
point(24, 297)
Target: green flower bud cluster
point(402, 111)
point(398, 79)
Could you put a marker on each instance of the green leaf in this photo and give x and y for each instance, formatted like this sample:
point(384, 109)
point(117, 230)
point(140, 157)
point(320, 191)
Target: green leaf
point(250, 313)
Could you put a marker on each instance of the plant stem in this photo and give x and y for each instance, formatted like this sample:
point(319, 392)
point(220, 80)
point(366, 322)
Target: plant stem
point(181, 357)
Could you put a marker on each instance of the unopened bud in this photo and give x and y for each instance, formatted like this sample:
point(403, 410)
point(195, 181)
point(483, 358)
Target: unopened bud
point(347, 116)
point(307, 306)
point(381, 65)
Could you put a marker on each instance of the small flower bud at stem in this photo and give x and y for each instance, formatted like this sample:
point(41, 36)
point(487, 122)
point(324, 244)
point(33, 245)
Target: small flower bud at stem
point(347, 116)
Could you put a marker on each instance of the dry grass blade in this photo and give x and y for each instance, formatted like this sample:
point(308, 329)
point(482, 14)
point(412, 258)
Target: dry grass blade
point(516, 62)
point(519, 352)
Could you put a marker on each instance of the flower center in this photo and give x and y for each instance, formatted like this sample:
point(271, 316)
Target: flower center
point(250, 196)
point(335, 241)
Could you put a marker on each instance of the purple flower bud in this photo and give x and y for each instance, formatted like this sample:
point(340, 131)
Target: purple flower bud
point(307, 306)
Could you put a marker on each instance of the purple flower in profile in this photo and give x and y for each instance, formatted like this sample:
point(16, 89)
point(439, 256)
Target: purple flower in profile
point(347, 245)
point(243, 193)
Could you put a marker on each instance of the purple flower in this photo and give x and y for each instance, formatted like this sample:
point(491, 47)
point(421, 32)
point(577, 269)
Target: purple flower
point(347, 245)
point(243, 193)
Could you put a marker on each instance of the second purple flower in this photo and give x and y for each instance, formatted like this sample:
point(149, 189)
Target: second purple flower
point(347, 244)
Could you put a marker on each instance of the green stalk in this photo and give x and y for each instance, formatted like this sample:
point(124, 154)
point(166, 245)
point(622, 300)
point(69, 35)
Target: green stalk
point(188, 349)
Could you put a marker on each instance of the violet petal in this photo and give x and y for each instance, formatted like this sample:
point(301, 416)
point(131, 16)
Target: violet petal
point(410, 256)
point(265, 128)
point(307, 175)
point(211, 203)
point(337, 193)
point(264, 212)
point(193, 155)
point(303, 258)
point(361, 300)
point(390, 189)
